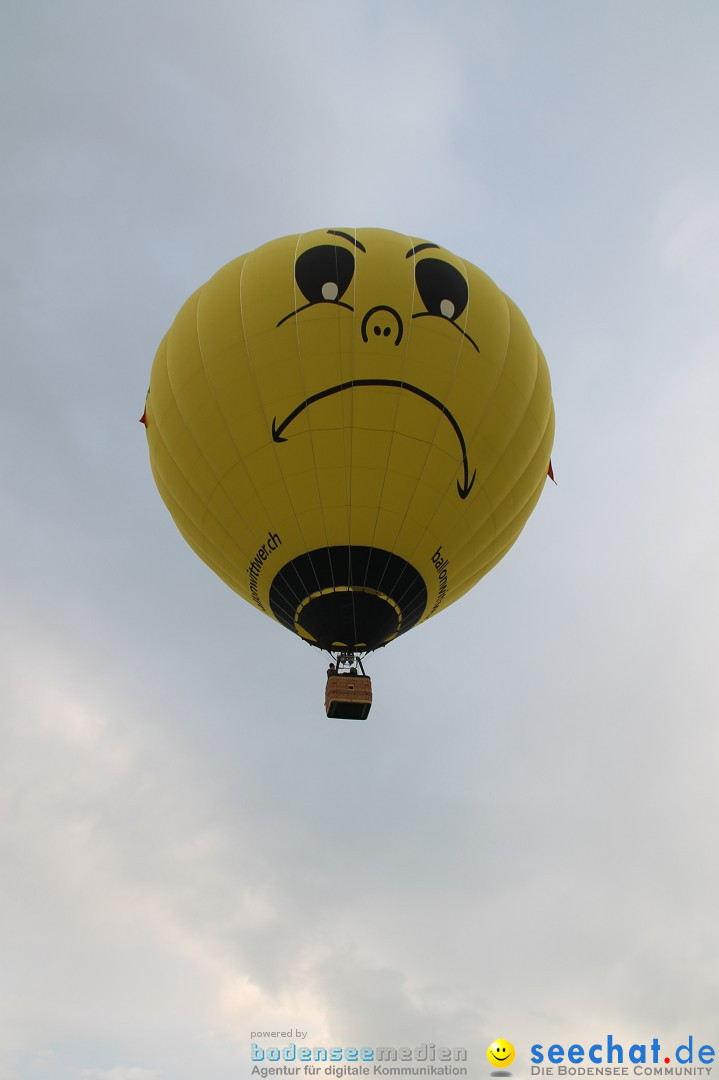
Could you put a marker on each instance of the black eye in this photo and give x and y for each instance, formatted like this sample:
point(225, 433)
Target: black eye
point(323, 273)
point(442, 288)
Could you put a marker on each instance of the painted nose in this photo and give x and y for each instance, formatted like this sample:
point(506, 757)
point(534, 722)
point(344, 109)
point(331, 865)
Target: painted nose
point(384, 323)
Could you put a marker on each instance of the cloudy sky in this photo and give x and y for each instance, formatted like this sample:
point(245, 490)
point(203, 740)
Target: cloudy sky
point(521, 841)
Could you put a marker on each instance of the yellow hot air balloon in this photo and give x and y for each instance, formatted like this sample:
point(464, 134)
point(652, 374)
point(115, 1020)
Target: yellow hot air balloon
point(350, 427)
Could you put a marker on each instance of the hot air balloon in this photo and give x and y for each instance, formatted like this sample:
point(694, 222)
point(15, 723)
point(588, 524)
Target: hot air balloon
point(351, 428)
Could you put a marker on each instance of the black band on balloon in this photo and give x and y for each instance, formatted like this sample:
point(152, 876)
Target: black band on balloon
point(352, 596)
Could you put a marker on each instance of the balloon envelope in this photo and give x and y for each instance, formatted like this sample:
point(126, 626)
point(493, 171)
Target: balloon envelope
point(350, 427)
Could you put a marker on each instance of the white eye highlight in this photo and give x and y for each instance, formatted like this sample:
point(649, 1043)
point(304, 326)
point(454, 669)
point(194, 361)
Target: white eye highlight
point(447, 309)
point(330, 291)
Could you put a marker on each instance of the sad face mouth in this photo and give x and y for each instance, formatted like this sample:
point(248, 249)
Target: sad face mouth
point(463, 488)
point(323, 275)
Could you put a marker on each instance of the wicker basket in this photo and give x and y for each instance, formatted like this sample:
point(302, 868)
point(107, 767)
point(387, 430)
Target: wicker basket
point(348, 697)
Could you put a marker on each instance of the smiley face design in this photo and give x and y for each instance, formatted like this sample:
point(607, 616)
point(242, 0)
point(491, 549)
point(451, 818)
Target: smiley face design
point(351, 427)
point(324, 273)
point(500, 1053)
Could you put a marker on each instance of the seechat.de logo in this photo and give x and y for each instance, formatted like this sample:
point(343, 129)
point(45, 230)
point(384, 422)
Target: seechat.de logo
point(639, 1059)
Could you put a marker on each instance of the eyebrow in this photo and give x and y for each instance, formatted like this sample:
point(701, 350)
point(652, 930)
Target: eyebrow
point(419, 247)
point(346, 236)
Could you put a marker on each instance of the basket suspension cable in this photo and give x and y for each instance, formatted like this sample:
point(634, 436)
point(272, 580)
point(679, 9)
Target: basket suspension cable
point(348, 694)
point(345, 660)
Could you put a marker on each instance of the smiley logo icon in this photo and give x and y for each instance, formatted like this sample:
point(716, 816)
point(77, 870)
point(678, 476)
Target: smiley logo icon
point(500, 1053)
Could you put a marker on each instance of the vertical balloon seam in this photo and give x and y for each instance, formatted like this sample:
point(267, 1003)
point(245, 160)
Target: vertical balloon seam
point(538, 454)
point(430, 441)
point(228, 428)
point(475, 574)
point(392, 433)
point(470, 562)
point(240, 460)
point(252, 369)
point(474, 570)
point(185, 522)
point(510, 441)
point(480, 421)
point(391, 587)
point(208, 513)
point(158, 434)
point(354, 364)
point(430, 445)
point(309, 417)
point(328, 546)
point(510, 494)
point(526, 418)
point(349, 470)
point(303, 376)
point(280, 580)
point(349, 474)
point(344, 452)
point(500, 372)
point(372, 539)
point(303, 587)
point(513, 437)
point(508, 445)
point(472, 579)
point(514, 526)
point(290, 606)
point(466, 508)
point(348, 494)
